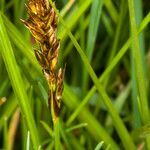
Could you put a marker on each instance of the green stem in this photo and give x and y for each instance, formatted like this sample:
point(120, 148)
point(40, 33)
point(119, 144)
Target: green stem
point(55, 119)
point(57, 135)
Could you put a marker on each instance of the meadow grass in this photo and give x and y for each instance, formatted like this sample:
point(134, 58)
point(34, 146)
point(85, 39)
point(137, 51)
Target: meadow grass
point(105, 45)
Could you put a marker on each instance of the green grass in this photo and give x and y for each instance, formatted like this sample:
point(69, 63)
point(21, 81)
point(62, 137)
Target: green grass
point(99, 38)
point(17, 82)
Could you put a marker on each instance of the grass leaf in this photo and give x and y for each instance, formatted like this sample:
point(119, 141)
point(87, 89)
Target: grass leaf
point(17, 82)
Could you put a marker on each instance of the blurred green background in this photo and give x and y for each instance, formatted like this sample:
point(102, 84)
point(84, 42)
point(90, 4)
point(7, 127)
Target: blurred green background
point(109, 40)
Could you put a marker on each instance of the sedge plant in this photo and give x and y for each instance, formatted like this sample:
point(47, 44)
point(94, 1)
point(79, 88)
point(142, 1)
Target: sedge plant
point(95, 38)
point(42, 23)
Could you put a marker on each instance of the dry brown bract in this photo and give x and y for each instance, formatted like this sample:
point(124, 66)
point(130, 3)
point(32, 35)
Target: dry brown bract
point(42, 23)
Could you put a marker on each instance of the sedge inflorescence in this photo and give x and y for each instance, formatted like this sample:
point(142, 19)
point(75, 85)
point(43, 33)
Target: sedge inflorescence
point(42, 23)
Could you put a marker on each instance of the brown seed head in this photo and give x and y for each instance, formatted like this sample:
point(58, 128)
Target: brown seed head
point(42, 23)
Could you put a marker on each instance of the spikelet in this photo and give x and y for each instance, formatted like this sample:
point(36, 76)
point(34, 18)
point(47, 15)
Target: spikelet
point(42, 23)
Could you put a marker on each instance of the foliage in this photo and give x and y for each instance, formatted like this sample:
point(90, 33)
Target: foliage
point(99, 38)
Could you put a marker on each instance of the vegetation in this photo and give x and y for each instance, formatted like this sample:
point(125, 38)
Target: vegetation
point(105, 46)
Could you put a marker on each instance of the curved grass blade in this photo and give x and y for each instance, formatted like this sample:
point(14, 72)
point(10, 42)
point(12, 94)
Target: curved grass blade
point(17, 82)
point(94, 127)
point(108, 70)
point(119, 125)
point(20, 42)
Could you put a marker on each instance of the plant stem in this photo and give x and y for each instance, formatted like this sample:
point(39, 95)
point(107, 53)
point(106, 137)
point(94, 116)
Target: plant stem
point(57, 135)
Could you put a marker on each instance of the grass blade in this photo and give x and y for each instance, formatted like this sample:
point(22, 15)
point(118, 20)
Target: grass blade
point(62, 33)
point(141, 83)
point(17, 82)
point(28, 141)
point(76, 127)
point(94, 127)
point(20, 42)
point(122, 131)
point(136, 114)
point(96, 12)
point(47, 128)
point(5, 143)
point(108, 70)
point(111, 8)
point(138, 62)
point(99, 146)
